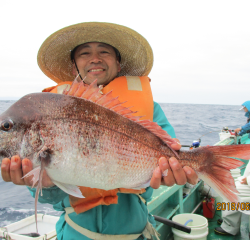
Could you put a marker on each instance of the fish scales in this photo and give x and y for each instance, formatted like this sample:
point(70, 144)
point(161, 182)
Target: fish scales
point(105, 153)
point(196, 159)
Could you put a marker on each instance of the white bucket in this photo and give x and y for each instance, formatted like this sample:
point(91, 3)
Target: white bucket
point(199, 227)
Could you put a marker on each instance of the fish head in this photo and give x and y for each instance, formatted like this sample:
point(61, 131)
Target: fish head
point(15, 123)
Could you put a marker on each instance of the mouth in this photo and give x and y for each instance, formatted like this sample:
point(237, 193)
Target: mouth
point(96, 70)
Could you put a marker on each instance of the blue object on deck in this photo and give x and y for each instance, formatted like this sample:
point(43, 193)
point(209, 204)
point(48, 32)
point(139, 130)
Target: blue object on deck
point(196, 144)
point(188, 221)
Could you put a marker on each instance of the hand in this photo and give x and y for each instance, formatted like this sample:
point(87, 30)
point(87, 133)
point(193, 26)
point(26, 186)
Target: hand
point(13, 170)
point(243, 180)
point(237, 130)
point(175, 174)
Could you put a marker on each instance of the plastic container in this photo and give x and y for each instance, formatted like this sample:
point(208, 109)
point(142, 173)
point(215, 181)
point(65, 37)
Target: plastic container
point(208, 208)
point(46, 228)
point(199, 227)
point(224, 135)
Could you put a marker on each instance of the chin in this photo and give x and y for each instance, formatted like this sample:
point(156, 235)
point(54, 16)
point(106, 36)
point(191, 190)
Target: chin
point(103, 82)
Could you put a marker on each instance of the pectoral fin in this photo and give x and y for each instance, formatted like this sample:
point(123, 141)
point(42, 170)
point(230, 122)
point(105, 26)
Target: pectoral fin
point(35, 173)
point(70, 189)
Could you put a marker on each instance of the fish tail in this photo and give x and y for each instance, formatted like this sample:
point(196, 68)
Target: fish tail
point(223, 183)
point(217, 172)
point(235, 151)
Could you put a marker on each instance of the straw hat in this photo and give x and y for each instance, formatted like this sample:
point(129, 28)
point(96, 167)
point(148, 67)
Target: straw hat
point(54, 54)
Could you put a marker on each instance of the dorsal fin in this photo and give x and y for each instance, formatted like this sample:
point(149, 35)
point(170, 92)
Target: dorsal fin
point(94, 94)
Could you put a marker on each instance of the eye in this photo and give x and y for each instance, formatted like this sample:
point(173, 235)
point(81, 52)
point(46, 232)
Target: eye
point(104, 51)
point(7, 125)
point(84, 53)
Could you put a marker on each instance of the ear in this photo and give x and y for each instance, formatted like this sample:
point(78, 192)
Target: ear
point(118, 66)
point(74, 71)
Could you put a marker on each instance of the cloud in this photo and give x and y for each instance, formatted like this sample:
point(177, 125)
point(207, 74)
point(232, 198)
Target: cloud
point(200, 48)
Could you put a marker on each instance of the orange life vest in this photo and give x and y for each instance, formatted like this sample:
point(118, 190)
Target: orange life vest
point(137, 93)
point(134, 91)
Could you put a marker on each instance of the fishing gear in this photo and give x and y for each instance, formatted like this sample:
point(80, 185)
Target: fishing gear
point(224, 133)
point(173, 224)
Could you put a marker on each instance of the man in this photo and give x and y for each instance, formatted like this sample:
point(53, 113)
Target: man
point(231, 220)
point(246, 128)
point(105, 52)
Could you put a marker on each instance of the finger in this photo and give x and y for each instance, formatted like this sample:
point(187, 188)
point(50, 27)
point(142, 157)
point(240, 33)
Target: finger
point(27, 167)
point(5, 170)
point(167, 174)
point(16, 172)
point(46, 180)
point(176, 146)
point(155, 181)
point(191, 175)
point(178, 172)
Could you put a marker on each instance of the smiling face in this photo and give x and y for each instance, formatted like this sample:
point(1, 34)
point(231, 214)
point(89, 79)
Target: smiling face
point(96, 61)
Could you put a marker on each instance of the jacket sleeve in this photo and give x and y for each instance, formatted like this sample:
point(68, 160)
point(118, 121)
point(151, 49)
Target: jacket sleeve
point(244, 129)
point(50, 195)
point(160, 118)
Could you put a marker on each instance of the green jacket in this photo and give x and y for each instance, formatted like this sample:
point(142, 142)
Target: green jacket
point(129, 216)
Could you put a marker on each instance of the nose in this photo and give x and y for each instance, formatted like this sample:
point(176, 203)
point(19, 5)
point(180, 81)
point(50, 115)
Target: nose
point(96, 58)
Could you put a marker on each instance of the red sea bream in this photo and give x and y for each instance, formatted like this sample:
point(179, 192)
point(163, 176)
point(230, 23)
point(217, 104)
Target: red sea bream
point(86, 138)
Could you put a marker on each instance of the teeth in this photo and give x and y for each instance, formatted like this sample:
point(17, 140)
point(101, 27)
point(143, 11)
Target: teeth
point(96, 70)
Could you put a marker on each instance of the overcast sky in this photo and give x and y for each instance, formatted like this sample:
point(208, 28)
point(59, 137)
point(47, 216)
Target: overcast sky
point(201, 48)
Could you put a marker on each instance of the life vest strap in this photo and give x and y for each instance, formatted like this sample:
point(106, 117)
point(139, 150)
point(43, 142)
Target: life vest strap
point(139, 195)
point(148, 231)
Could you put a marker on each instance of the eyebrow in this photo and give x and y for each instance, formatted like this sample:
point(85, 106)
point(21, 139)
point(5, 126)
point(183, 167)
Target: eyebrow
point(99, 45)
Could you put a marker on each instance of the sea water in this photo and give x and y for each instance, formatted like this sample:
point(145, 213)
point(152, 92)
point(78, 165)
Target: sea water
point(190, 121)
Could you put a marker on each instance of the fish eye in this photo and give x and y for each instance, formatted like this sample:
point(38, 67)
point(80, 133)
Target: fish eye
point(7, 125)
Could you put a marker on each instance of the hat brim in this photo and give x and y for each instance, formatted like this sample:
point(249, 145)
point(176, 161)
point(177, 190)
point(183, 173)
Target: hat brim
point(242, 108)
point(54, 54)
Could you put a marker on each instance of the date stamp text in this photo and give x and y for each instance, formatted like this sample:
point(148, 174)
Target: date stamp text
point(240, 206)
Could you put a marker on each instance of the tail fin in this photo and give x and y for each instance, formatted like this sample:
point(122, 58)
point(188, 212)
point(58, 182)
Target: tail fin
point(236, 151)
point(217, 174)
